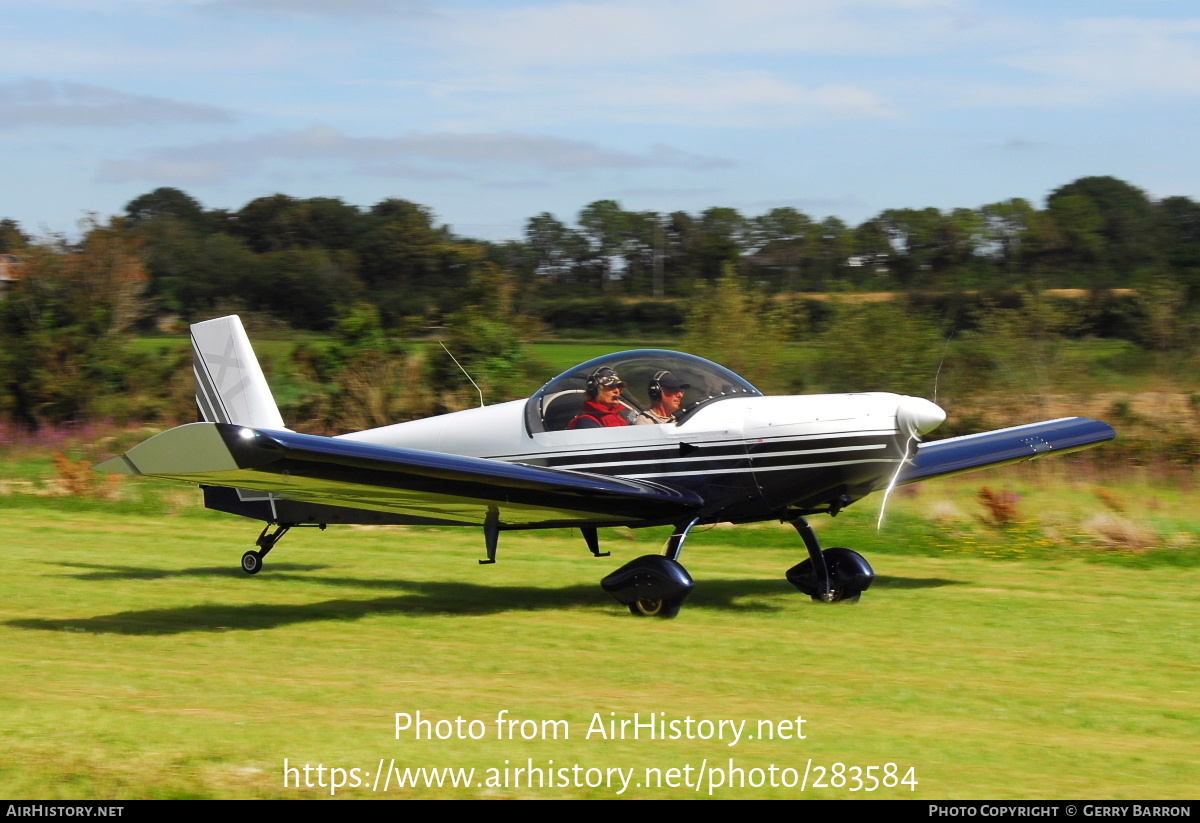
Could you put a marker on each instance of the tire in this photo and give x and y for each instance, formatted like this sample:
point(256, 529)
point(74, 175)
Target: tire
point(252, 563)
point(665, 609)
point(848, 596)
point(849, 573)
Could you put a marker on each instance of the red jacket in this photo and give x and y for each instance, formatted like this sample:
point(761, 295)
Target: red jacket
point(596, 415)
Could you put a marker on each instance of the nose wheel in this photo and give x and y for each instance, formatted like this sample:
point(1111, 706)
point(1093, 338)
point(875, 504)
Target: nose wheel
point(834, 575)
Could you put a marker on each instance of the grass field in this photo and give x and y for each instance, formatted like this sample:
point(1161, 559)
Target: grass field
point(1042, 645)
point(1038, 659)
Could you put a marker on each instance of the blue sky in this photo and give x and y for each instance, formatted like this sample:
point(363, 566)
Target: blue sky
point(490, 113)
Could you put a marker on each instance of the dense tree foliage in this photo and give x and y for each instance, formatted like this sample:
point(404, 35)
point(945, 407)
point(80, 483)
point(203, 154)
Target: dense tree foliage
point(721, 282)
point(64, 328)
point(12, 239)
point(306, 261)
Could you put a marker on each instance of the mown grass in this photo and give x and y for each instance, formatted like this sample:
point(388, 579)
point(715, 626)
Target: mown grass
point(1049, 655)
point(136, 660)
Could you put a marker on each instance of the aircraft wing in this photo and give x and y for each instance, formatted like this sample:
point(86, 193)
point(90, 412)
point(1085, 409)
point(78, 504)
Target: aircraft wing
point(956, 455)
point(429, 486)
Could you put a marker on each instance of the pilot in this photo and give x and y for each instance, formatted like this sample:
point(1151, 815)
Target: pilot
point(666, 396)
point(603, 406)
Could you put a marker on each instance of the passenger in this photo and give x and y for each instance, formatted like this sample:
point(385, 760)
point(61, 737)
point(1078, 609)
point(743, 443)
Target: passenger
point(666, 396)
point(602, 407)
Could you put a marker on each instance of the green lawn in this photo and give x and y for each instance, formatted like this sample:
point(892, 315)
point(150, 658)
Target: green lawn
point(1051, 655)
point(136, 660)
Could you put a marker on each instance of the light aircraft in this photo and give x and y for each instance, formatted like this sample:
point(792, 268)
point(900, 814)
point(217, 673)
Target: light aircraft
point(731, 455)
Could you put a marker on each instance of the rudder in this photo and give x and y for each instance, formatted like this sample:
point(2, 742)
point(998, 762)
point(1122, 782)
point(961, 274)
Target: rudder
point(230, 386)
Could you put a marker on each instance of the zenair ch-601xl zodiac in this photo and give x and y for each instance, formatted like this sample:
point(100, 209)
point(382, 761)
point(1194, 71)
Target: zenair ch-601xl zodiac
point(728, 453)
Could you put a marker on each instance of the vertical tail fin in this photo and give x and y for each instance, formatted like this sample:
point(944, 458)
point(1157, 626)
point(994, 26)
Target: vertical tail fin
point(230, 386)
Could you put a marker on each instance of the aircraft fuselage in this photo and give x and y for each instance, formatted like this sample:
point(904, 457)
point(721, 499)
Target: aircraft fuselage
point(750, 458)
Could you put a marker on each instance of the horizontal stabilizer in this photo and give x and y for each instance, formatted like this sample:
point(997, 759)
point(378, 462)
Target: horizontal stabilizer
point(340, 472)
point(971, 452)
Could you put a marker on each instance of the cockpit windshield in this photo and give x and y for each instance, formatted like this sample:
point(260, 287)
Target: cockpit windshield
point(561, 400)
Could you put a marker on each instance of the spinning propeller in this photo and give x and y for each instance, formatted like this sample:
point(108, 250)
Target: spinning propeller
point(915, 416)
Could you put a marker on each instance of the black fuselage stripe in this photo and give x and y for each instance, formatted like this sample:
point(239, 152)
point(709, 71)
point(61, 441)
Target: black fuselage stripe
point(711, 447)
point(865, 453)
point(666, 476)
point(704, 461)
point(755, 449)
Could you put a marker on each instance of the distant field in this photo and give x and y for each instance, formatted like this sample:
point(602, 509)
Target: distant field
point(264, 347)
point(1091, 365)
point(891, 296)
point(562, 356)
point(559, 356)
point(1039, 659)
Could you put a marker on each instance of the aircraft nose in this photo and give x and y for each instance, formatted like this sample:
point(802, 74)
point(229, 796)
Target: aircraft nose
point(917, 415)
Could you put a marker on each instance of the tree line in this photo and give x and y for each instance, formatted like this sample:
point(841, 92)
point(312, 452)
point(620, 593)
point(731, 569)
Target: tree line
point(304, 260)
point(737, 289)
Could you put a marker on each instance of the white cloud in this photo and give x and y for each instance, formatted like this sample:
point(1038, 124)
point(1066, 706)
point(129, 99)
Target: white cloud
point(322, 8)
point(633, 32)
point(1105, 57)
point(150, 7)
point(174, 58)
point(733, 99)
point(706, 63)
point(711, 98)
point(180, 172)
point(44, 102)
point(775, 62)
point(408, 155)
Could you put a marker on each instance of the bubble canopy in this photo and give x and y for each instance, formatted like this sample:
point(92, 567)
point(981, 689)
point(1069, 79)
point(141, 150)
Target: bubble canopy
point(557, 403)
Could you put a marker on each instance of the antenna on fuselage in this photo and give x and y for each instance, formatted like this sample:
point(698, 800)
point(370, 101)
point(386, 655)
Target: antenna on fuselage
point(938, 373)
point(464, 371)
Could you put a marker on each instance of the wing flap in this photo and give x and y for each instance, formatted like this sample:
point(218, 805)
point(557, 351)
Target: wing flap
point(971, 452)
point(361, 475)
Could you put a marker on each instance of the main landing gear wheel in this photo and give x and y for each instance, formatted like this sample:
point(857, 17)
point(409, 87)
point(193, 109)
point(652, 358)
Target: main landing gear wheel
point(840, 596)
point(836, 575)
point(849, 576)
point(252, 562)
point(651, 586)
point(666, 609)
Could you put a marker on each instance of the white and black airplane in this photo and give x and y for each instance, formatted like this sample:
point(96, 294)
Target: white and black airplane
point(730, 454)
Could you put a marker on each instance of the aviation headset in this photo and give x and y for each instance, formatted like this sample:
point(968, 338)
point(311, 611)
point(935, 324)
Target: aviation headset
point(655, 387)
point(664, 380)
point(603, 376)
